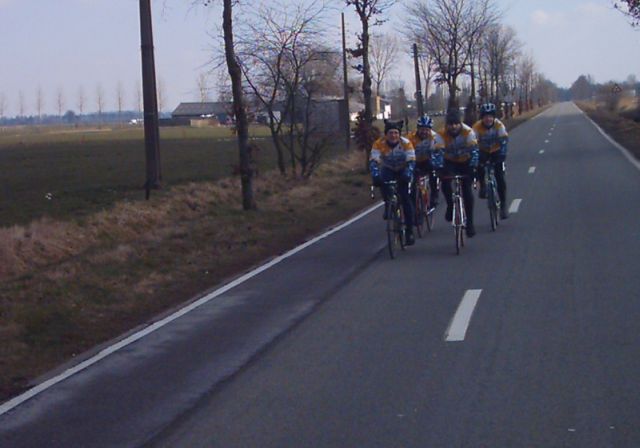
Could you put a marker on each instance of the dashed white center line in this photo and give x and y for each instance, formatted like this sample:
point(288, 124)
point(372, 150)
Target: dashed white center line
point(515, 205)
point(546, 141)
point(542, 151)
point(532, 170)
point(458, 327)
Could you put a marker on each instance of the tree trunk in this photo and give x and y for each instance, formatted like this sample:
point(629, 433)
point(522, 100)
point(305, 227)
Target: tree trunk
point(242, 124)
point(453, 94)
point(366, 81)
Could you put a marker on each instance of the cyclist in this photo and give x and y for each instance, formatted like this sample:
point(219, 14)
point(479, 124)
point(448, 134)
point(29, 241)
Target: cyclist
point(456, 152)
point(492, 140)
point(423, 141)
point(393, 158)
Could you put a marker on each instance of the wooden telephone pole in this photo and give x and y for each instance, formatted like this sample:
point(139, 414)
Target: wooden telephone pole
point(150, 100)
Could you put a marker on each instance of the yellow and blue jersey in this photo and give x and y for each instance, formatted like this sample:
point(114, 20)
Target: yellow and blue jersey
point(457, 149)
point(423, 148)
point(395, 157)
point(491, 139)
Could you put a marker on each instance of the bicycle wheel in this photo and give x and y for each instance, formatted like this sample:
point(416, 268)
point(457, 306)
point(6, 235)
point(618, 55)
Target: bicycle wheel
point(496, 201)
point(457, 226)
point(491, 203)
point(391, 233)
point(398, 224)
point(419, 212)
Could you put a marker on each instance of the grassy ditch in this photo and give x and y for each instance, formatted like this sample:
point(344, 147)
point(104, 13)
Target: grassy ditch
point(618, 124)
point(66, 286)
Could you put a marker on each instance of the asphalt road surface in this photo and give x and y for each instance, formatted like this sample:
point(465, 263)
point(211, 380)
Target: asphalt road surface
point(529, 338)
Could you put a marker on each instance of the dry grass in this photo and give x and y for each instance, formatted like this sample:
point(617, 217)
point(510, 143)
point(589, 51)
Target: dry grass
point(617, 124)
point(69, 285)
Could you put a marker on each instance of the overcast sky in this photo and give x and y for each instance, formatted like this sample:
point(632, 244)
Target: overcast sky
point(73, 44)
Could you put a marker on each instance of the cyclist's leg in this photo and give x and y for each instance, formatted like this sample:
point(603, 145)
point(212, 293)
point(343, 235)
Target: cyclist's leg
point(467, 193)
point(446, 188)
point(385, 176)
point(433, 184)
point(407, 202)
point(498, 167)
point(484, 156)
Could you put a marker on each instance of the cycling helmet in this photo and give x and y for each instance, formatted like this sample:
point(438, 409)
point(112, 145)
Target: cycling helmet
point(425, 122)
point(488, 109)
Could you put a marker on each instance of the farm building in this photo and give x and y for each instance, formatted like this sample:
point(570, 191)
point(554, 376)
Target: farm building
point(195, 111)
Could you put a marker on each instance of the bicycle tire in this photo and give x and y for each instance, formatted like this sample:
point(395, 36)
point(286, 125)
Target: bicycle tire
point(496, 201)
point(491, 203)
point(457, 225)
point(419, 212)
point(399, 227)
point(391, 234)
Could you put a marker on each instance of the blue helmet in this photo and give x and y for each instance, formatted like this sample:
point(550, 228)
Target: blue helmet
point(488, 109)
point(425, 122)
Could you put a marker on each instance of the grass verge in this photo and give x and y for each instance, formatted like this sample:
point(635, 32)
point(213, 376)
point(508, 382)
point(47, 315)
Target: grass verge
point(70, 285)
point(617, 124)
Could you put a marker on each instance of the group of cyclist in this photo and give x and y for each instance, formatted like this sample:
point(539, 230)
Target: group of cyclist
point(457, 149)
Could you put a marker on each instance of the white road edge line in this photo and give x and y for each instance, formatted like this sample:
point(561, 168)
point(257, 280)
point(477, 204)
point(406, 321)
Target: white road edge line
point(532, 170)
point(515, 205)
point(621, 148)
point(16, 401)
point(457, 329)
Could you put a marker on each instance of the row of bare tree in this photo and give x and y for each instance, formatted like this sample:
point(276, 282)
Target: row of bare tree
point(82, 101)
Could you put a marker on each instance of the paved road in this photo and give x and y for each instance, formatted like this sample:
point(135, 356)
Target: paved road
point(339, 346)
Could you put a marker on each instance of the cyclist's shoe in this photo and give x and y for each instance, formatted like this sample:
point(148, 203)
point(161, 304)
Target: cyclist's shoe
point(504, 212)
point(483, 191)
point(433, 201)
point(410, 240)
point(448, 216)
point(471, 231)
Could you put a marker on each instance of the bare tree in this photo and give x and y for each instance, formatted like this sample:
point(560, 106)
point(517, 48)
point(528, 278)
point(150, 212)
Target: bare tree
point(526, 73)
point(21, 104)
point(280, 51)
point(99, 100)
point(631, 8)
point(3, 104)
point(202, 83)
point(501, 49)
point(60, 101)
point(39, 102)
point(162, 95)
point(81, 100)
point(137, 106)
point(119, 99)
point(428, 69)
point(449, 31)
point(369, 12)
point(383, 52)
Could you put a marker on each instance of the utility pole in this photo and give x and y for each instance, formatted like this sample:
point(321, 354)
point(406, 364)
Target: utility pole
point(418, 82)
point(150, 100)
point(346, 87)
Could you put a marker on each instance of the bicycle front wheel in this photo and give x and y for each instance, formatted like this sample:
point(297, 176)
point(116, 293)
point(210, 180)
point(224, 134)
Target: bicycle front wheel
point(391, 236)
point(493, 209)
point(399, 227)
point(458, 226)
point(420, 212)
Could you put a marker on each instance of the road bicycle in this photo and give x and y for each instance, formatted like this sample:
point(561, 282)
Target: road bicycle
point(424, 211)
point(394, 218)
point(493, 198)
point(459, 217)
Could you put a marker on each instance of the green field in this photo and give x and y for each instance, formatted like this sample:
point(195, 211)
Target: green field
point(65, 172)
